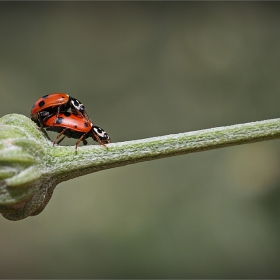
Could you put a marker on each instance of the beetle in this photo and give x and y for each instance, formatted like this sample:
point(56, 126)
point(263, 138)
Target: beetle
point(55, 103)
point(74, 126)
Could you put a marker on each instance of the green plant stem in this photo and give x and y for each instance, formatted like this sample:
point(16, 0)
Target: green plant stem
point(94, 158)
point(30, 167)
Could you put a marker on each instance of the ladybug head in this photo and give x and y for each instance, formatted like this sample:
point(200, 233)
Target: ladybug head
point(77, 105)
point(101, 134)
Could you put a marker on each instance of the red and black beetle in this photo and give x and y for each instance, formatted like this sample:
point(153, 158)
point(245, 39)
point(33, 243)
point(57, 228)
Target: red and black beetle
point(74, 126)
point(53, 104)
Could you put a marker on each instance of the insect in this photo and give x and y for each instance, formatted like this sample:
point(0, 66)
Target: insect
point(74, 126)
point(55, 103)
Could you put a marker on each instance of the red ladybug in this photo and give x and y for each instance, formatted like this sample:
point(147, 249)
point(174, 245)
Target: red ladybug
point(55, 103)
point(75, 126)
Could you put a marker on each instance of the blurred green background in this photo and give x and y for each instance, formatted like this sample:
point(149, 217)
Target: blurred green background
point(146, 69)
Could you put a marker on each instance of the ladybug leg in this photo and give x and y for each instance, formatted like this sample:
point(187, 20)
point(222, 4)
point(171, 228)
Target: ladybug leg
point(41, 116)
point(95, 137)
point(82, 115)
point(86, 116)
point(40, 121)
point(58, 136)
point(79, 113)
point(58, 111)
point(77, 143)
point(60, 140)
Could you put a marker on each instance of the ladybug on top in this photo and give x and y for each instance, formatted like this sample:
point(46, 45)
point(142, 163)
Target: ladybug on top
point(54, 103)
point(51, 112)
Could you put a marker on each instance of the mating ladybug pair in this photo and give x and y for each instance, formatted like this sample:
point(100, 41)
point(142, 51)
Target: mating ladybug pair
point(51, 112)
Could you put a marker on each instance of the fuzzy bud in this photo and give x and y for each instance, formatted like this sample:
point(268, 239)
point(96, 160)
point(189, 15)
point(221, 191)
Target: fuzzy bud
point(22, 149)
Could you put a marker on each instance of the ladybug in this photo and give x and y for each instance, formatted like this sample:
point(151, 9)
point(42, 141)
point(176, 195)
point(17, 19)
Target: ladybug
point(55, 103)
point(75, 126)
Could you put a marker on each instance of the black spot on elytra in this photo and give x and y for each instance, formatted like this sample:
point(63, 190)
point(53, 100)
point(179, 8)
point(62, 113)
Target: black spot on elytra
point(41, 103)
point(67, 114)
point(75, 126)
point(85, 124)
point(59, 120)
